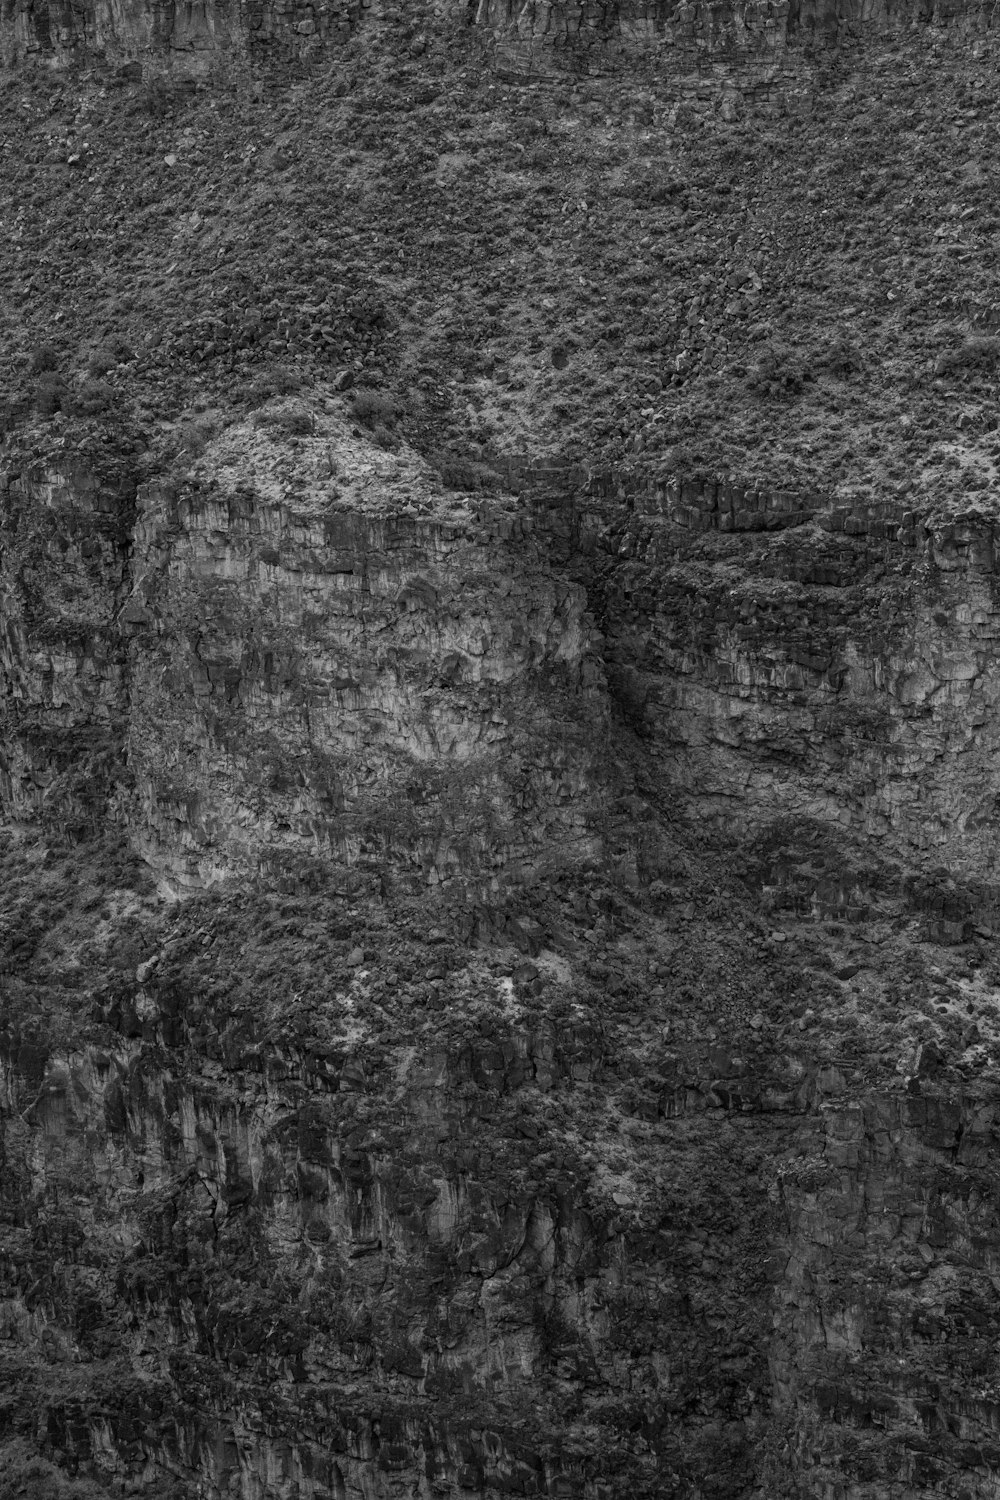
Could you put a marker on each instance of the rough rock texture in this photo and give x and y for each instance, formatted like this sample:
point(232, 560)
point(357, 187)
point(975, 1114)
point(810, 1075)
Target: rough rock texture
point(528, 35)
point(786, 657)
point(475, 1225)
point(188, 36)
point(63, 578)
point(425, 1292)
point(335, 659)
point(441, 1277)
point(878, 1205)
point(538, 35)
point(315, 656)
point(572, 1067)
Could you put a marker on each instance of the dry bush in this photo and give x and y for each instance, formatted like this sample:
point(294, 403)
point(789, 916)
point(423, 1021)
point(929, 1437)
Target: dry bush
point(372, 408)
point(44, 358)
point(842, 359)
point(114, 351)
point(192, 438)
point(778, 373)
point(93, 397)
point(460, 473)
point(51, 393)
point(977, 352)
point(286, 421)
point(275, 381)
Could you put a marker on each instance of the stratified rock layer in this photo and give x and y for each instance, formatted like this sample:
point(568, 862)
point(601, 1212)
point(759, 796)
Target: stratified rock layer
point(66, 537)
point(528, 35)
point(578, 34)
point(788, 658)
point(188, 36)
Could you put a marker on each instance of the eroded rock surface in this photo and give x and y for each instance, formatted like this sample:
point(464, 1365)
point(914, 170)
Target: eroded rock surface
point(576, 34)
point(529, 36)
point(498, 987)
point(786, 657)
point(63, 580)
point(316, 652)
point(186, 36)
point(333, 656)
point(308, 655)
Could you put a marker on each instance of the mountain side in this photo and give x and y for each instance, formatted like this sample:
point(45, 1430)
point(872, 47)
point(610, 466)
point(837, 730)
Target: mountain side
point(498, 986)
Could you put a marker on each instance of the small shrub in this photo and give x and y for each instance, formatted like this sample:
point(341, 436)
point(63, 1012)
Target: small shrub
point(458, 473)
point(275, 382)
point(978, 352)
point(157, 98)
point(115, 352)
point(842, 359)
point(286, 382)
point(286, 421)
point(778, 373)
point(100, 362)
point(192, 438)
point(93, 397)
point(45, 357)
point(51, 394)
point(681, 459)
point(371, 408)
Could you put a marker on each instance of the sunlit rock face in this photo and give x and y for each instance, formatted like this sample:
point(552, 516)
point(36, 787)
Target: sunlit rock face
point(312, 651)
point(354, 665)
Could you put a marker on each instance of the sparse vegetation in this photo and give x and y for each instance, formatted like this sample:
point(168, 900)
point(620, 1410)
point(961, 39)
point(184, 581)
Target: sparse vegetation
point(372, 408)
point(285, 421)
point(93, 397)
point(747, 236)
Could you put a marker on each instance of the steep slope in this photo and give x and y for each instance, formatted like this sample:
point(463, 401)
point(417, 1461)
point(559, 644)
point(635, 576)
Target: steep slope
point(498, 516)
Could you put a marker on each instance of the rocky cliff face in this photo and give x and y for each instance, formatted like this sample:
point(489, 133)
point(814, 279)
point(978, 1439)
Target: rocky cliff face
point(537, 36)
point(310, 1221)
point(577, 34)
point(310, 652)
point(338, 1202)
point(189, 37)
point(873, 1291)
point(335, 658)
point(66, 541)
point(790, 659)
point(414, 1305)
point(498, 987)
